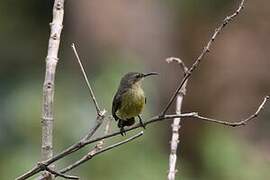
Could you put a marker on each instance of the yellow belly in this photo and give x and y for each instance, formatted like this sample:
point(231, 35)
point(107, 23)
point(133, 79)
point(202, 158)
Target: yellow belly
point(132, 104)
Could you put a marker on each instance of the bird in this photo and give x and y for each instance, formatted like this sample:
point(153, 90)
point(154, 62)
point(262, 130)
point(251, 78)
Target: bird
point(129, 100)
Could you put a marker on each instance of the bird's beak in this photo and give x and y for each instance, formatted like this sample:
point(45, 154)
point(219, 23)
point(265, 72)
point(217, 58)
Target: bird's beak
point(150, 74)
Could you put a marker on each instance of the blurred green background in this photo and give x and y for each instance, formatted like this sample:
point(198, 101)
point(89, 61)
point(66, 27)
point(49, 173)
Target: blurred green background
point(115, 37)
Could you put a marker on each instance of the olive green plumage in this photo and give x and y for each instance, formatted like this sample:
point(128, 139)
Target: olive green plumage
point(129, 100)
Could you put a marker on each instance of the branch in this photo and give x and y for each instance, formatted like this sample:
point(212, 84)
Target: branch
point(97, 148)
point(60, 174)
point(48, 85)
point(235, 124)
point(82, 143)
point(205, 50)
point(185, 115)
point(86, 79)
point(101, 142)
point(176, 122)
point(91, 154)
point(99, 119)
point(178, 61)
point(100, 114)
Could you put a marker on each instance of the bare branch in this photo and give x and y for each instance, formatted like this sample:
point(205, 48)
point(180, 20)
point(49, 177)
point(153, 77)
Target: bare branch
point(97, 148)
point(179, 61)
point(100, 114)
point(205, 50)
point(48, 85)
point(86, 80)
point(82, 143)
point(91, 154)
point(176, 122)
point(30, 173)
point(75, 147)
point(235, 124)
point(60, 174)
point(182, 87)
point(99, 119)
point(185, 115)
point(99, 144)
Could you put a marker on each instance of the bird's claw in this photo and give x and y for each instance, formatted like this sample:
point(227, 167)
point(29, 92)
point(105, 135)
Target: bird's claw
point(141, 122)
point(122, 131)
point(143, 125)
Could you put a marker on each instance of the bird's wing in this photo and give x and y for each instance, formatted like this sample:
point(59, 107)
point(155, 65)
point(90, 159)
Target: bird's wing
point(116, 105)
point(117, 102)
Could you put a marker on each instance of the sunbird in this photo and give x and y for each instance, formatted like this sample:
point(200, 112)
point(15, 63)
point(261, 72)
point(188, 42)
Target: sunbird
point(129, 100)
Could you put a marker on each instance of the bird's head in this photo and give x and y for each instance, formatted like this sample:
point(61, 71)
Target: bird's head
point(132, 78)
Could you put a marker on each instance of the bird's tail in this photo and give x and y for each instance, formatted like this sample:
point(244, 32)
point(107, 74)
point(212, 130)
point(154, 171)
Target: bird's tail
point(128, 122)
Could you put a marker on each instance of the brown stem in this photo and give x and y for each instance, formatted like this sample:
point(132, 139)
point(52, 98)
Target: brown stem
point(205, 50)
point(91, 154)
point(86, 79)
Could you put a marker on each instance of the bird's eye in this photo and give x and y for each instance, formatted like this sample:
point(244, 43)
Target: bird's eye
point(138, 75)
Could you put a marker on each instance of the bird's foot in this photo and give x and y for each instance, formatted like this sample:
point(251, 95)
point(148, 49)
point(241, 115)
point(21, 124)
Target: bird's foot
point(141, 122)
point(122, 131)
point(143, 125)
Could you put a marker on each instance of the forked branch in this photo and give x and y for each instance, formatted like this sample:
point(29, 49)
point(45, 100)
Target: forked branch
point(176, 121)
point(55, 173)
point(91, 154)
point(205, 50)
point(100, 114)
point(154, 119)
point(97, 148)
point(93, 97)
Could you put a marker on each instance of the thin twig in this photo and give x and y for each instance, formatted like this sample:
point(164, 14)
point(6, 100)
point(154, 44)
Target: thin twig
point(100, 144)
point(86, 79)
point(205, 50)
point(179, 61)
point(91, 154)
point(100, 114)
point(97, 148)
point(176, 122)
point(60, 174)
point(99, 119)
point(75, 147)
point(235, 124)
